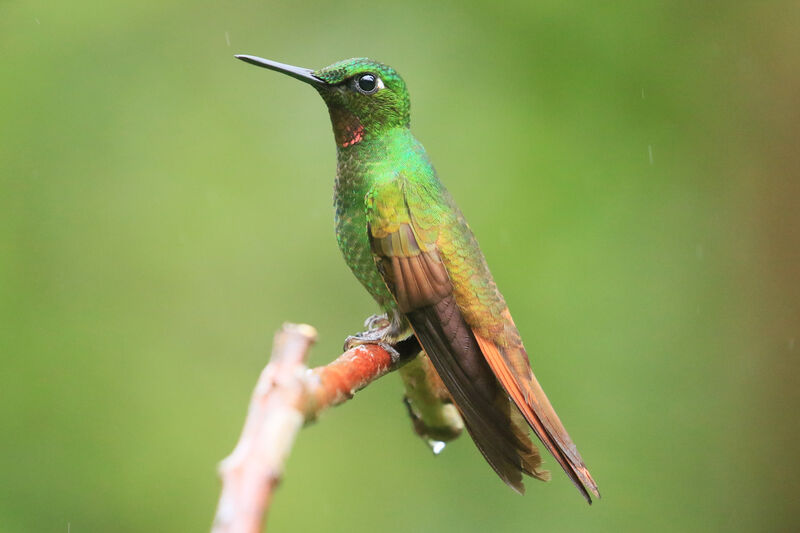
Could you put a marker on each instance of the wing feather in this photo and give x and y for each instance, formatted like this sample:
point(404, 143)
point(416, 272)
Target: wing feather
point(479, 375)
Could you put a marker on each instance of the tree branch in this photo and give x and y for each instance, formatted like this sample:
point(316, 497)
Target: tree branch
point(286, 396)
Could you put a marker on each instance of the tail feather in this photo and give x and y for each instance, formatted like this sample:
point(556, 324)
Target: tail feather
point(458, 360)
point(532, 402)
point(530, 456)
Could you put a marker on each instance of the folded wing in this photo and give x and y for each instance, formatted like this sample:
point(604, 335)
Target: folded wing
point(479, 376)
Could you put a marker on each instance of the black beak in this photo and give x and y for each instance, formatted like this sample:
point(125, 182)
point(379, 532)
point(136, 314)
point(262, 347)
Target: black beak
point(299, 73)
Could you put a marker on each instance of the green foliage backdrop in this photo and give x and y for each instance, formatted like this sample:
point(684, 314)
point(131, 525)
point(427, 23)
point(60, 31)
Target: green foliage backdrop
point(630, 170)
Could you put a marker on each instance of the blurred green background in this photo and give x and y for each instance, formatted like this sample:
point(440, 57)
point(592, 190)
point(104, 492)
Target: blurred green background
point(632, 173)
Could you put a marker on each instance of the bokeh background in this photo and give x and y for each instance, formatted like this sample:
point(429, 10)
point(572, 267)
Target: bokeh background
point(631, 171)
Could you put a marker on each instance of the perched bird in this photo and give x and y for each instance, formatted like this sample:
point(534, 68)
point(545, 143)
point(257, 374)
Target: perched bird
point(407, 242)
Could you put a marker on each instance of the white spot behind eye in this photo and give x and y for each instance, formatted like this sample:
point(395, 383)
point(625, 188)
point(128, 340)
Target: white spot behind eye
point(379, 83)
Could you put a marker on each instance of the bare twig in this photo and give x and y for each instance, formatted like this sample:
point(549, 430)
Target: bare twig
point(286, 396)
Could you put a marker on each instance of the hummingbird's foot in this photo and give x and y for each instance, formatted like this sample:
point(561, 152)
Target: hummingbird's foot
point(381, 331)
point(374, 336)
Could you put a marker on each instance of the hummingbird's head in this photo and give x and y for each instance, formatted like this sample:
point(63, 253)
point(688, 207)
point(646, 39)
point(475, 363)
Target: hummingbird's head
point(364, 97)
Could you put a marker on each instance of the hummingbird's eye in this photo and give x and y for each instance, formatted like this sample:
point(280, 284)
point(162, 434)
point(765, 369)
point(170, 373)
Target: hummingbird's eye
point(368, 84)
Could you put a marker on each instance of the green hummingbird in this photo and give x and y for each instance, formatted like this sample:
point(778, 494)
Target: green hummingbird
point(407, 242)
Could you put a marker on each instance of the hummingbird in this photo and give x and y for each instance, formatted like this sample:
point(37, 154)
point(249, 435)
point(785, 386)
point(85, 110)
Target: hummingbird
point(407, 242)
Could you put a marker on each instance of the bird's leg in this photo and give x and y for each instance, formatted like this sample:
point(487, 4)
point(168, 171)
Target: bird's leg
point(381, 330)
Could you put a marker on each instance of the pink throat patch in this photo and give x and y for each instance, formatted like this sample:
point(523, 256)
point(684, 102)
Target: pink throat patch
point(346, 128)
point(354, 138)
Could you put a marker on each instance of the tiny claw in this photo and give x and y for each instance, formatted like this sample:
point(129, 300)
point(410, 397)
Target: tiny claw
point(361, 339)
point(377, 322)
point(349, 343)
point(378, 329)
point(390, 334)
point(390, 350)
point(354, 341)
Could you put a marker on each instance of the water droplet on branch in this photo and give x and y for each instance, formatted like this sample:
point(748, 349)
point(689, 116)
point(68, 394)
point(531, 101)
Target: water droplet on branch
point(436, 446)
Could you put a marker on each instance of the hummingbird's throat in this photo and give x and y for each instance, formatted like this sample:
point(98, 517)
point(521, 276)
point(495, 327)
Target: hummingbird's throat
point(347, 129)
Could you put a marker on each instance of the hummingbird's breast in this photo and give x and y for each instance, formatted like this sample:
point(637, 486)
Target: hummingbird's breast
point(395, 155)
point(357, 170)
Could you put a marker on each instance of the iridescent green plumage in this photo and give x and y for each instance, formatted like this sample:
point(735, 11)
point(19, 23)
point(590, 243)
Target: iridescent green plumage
point(408, 243)
point(373, 168)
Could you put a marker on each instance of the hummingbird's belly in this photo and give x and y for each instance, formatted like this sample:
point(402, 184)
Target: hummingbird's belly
point(351, 234)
